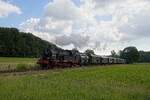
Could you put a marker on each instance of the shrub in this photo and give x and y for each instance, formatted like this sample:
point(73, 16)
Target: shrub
point(34, 67)
point(21, 67)
point(25, 67)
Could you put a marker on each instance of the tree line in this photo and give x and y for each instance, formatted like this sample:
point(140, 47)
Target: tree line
point(21, 44)
point(131, 54)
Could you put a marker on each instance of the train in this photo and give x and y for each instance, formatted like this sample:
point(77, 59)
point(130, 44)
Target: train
point(53, 58)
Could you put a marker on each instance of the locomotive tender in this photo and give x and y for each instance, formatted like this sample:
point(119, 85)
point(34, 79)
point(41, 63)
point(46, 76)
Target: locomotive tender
point(52, 58)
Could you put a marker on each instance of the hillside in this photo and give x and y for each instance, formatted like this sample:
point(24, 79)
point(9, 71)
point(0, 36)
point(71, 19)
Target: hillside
point(19, 44)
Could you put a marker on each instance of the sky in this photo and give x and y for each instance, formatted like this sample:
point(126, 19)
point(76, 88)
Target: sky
point(101, 25)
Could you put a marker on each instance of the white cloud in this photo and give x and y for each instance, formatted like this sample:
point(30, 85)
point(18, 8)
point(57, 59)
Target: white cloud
point(77, 40)
point(6, 8)
point(33, 25)
point(62, 9)
point(69, 25)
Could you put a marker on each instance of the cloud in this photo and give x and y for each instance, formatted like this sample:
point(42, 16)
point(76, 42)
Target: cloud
point(30, 24)
point(55, 26)
point(6, 8)
point(84, 26)
point(78, 40)
point(138, 25)
point(62, 9)
point(34, 25)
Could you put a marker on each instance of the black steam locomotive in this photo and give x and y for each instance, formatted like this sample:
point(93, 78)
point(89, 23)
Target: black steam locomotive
point(52, 58)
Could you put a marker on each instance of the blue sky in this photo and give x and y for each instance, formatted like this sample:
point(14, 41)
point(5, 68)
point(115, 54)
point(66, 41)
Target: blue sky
point(33, 9)
point(29, 8)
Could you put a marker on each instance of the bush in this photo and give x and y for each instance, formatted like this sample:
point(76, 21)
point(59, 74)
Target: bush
point(21, 67)
point(25, 67)
point(34, 67)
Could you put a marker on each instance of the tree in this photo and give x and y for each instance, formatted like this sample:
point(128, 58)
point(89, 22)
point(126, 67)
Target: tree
point(89, 52)
point(19, 44)
point(113, 53)
point(120, 53)
point(144, 56)
point(131, 54)
point(75, 50)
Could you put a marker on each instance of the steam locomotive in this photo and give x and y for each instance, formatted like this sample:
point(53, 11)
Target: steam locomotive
point(52, 58)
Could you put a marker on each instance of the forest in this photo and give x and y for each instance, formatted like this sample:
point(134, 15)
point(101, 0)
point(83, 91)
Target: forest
point(14, 43)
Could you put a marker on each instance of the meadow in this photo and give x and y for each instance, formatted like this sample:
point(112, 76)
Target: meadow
point(10, 63)
point(12, 60)
point(110, 82)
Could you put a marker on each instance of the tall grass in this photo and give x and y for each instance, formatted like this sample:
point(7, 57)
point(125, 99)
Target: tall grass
point(14, 63)
point(113, 82)
point(14, 60)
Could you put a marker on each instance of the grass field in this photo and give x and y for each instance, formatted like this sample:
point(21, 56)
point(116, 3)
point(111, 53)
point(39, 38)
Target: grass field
point(112, 82)
point(7, 63)
point(14, 60)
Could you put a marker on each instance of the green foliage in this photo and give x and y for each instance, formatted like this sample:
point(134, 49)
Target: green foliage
point(75, 50)
point(144, 56)
point(131, 54)
point(89, 52)
point(20, 44)
point(116, 82)
point(21, 67)
point(25, 67)
point(113, 53)
point(35, 67)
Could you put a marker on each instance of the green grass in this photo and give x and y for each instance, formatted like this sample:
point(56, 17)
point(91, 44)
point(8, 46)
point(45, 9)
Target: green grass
point(14, 60)
point(113, 82)
point(8, 63)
